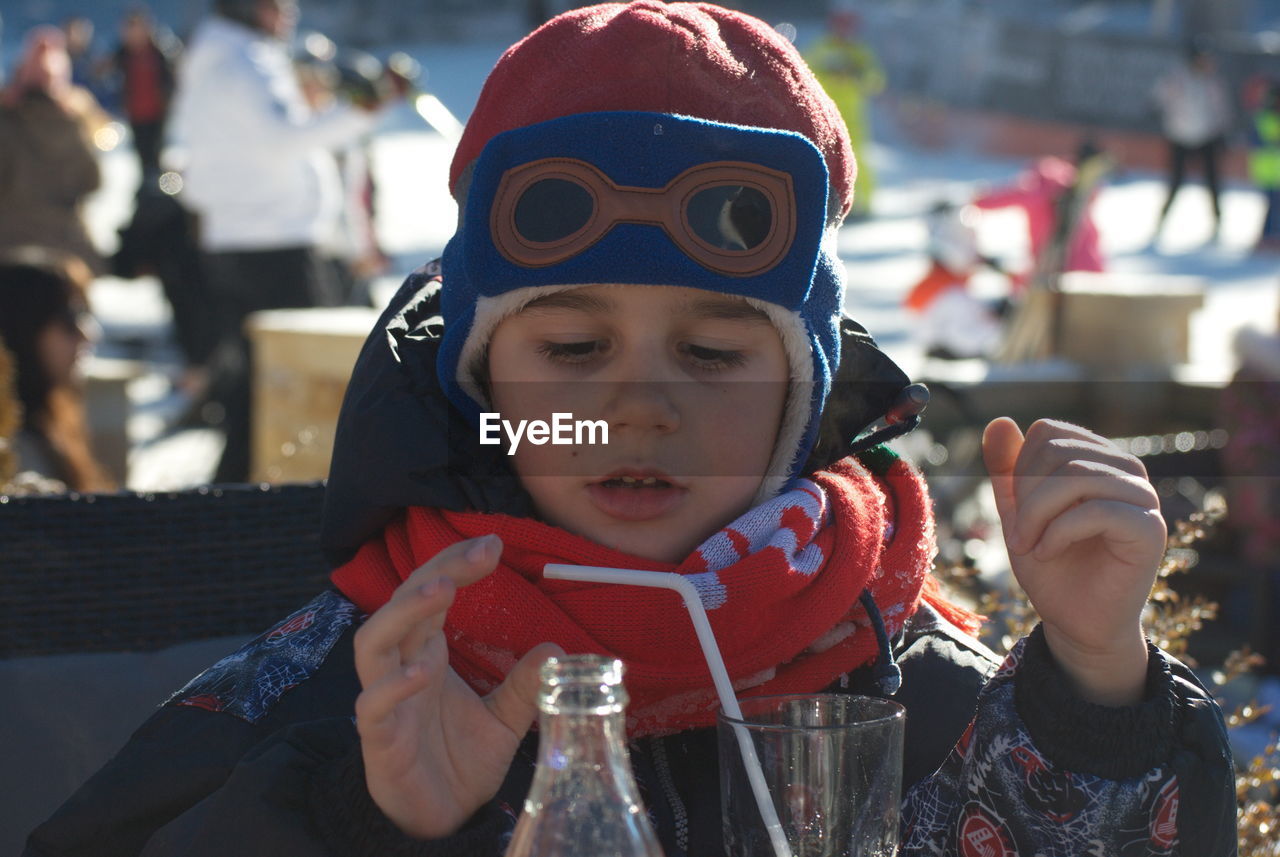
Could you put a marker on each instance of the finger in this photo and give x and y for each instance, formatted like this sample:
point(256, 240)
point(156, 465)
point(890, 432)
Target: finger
point(378, 642)
point(515, 701)
point(1043, 429)
point(1036, 465)
point(1052, 443)
point(479, 558)
point(388, 638)
point(1001, 442)
point(464, 562)
point(1073, 483)
point(1129, 530)
point(413, 644)
point(376, 704)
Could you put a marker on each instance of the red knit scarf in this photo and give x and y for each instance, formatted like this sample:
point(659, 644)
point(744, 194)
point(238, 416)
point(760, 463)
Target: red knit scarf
point(780, 585)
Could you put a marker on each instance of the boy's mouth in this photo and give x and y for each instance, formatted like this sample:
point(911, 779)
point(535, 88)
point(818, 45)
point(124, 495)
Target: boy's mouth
point(636, 495)
point(633, 482)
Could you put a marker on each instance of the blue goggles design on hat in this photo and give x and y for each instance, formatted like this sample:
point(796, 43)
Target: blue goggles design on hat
point(646, 198)
point(635, 197)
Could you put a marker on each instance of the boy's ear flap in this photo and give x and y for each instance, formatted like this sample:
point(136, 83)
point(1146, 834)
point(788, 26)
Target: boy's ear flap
point(867, 385)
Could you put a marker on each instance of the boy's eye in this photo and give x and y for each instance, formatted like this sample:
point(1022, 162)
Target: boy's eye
point(713, 358)
point(571, 352)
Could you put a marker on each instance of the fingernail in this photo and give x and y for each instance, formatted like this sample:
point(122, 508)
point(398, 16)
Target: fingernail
point(480, 549)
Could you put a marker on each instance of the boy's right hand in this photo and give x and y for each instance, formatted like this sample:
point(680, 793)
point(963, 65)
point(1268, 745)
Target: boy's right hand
point(434, 751)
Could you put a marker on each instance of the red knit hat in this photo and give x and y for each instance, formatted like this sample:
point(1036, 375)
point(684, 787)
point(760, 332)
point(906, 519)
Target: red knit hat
point(694, 59)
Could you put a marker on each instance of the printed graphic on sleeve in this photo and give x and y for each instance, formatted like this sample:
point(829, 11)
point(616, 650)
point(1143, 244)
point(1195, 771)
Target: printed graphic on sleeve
point(998, 796)
point(981, 834)
point(249, 682)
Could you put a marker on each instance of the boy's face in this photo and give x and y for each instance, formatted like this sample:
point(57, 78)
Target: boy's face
point(692, 385)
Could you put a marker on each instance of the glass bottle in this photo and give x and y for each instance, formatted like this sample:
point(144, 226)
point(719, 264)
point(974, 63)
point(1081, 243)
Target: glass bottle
point(583, 801)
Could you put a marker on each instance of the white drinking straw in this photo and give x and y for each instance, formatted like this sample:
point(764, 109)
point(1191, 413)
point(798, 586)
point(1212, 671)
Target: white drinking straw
point(711, 651)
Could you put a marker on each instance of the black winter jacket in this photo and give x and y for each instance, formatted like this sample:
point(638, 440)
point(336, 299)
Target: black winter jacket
point(259, 756)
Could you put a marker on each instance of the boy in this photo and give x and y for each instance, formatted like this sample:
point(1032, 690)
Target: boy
point(673, 277)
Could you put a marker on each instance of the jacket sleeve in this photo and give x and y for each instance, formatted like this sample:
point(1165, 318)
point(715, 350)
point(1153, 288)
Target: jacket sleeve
point(258, 756)
point(1042, 771)
point(303, 793)
point(273, 111)
point(172, 762)
point(1016, 194)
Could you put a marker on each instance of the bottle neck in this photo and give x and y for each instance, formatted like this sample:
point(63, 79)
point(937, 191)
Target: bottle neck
point(573, 745)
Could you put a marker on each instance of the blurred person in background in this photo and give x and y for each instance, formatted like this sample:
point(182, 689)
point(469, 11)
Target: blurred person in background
point(48, 157)
point(1264, 162)
point(851, 74)
point(1057, 198)
point(10, 420)
point(261, 176)
point(45, 328)
point(1195, 114)
point(142, 66)
point(1249, 410)
point(160, 238)
point(78, 32)
point(950, 322)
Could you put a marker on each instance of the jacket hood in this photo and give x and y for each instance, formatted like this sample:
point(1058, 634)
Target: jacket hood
point(399, 441)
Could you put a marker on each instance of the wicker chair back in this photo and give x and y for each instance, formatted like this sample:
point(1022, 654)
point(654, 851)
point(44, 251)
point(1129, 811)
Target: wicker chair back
point(139, 572)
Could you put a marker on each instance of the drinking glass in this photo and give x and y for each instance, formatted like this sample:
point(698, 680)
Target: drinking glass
point(833, 767)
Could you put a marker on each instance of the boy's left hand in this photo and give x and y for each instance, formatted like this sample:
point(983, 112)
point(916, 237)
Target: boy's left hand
point(1085, 536)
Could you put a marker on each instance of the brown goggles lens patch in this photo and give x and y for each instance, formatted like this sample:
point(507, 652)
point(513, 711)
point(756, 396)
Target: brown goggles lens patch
point(731, 217)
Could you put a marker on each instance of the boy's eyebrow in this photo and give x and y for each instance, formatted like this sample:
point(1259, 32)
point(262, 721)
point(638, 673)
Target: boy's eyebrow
point(722, 309)
point(571, 300)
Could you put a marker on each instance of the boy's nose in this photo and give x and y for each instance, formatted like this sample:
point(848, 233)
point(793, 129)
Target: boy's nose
point(641, 387)
point(642, 405)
